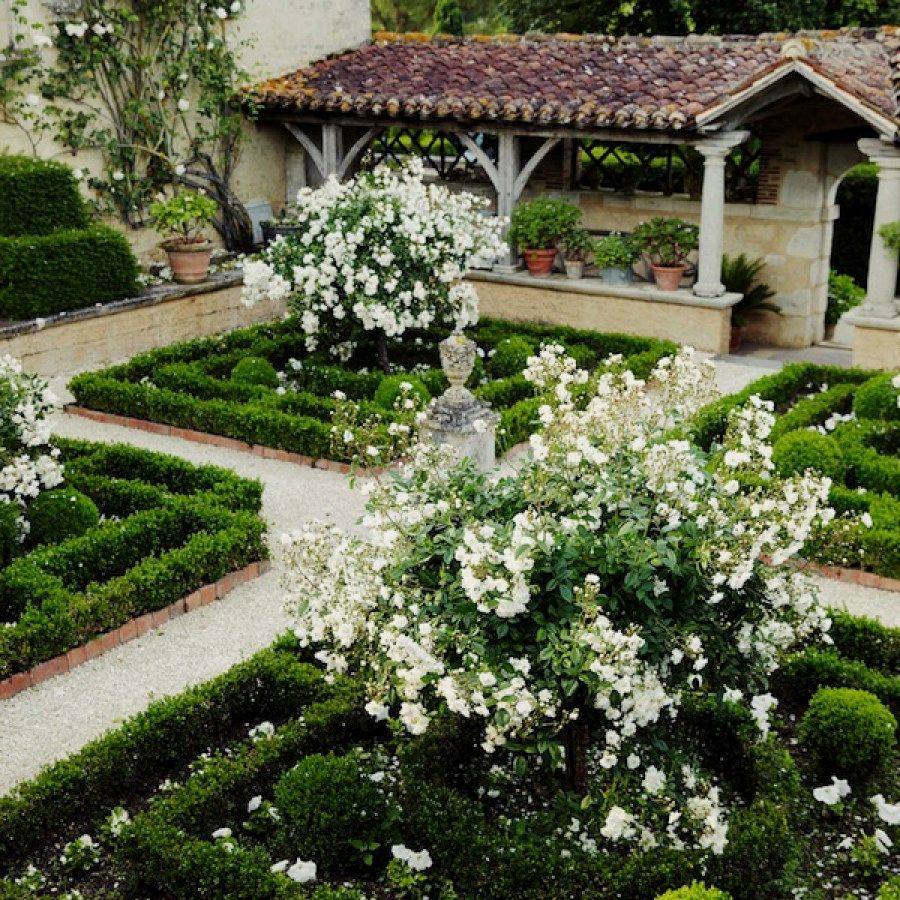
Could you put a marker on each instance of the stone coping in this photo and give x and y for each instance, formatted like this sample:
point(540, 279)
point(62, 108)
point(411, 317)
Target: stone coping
point(131, 630)
point(876, 324)
point(218, 440)
point(151, 296)
point(596, 287)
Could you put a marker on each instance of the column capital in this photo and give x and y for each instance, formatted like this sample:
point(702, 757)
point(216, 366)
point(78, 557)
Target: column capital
point(720, 145)
point(887, 156)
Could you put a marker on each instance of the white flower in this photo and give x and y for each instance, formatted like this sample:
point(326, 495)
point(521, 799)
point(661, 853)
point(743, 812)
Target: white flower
point(183, 104)
point(418, 861)
point(221, 12)
point(377, 711)
point(833, 793)
point(302, 871)
point(887, 812)
point(221, 833)
point(654, 780)
point(254, 803)
point(32, 100)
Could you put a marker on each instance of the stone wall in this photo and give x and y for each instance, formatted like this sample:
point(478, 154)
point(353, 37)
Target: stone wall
point(93, 338)
point(284, 35)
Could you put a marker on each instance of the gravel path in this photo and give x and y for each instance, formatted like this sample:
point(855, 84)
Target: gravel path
point(46, 723)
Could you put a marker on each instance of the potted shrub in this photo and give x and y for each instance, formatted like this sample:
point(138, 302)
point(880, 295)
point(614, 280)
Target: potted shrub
point(537, 227)
point(613, 255)
point(576, 248)
point(740, 275)
point(667, 243)
point(184, 217)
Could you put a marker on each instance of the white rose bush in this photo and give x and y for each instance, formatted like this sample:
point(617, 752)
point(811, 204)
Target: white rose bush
point(28, 465)
point(571, 608)
point(381, 254)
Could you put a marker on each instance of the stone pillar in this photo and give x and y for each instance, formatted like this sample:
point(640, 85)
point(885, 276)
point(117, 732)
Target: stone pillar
point(507, 173)
point(881, 302)
point(712, 213)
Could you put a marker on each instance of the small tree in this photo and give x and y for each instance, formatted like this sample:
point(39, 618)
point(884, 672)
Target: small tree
point(383, 253)
point(448, 17)
point(581, 600)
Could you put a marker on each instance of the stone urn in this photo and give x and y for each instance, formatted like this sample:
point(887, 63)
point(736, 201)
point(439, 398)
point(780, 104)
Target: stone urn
point(458, 417)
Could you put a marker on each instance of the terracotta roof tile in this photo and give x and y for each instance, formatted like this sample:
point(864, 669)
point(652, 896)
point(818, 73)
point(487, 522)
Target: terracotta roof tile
point(661, 82)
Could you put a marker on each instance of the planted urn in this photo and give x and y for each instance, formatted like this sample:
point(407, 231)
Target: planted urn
point(667, 243)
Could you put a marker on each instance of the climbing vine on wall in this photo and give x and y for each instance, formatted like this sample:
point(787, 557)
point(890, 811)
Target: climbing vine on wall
point(148, 83)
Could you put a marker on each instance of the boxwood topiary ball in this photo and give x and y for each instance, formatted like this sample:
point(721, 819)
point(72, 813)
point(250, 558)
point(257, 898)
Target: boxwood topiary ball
point(255, 370)
point(847, 732)
point(390, 388)
point(510, 356)
point(695, 891)
point(798, 451)
point(877, 399)
point(60, 514)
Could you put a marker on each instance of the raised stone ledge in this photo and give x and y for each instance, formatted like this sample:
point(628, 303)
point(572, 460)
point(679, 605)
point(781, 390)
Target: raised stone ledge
point(151, 296)
point(596, 287)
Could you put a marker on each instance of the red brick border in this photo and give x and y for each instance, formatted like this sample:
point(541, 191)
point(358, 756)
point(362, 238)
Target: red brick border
point(850, 576)
point(132, 629)
point(217, 440)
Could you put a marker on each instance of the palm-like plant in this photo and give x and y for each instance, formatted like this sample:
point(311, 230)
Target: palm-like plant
point(740, 275)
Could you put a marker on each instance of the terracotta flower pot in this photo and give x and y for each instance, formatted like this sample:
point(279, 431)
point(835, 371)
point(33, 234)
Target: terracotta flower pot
point(189, 262)
point(539, 262)
point(668, 278)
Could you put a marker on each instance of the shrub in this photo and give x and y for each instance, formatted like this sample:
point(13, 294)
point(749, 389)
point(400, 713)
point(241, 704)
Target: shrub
point(866, 640)
point(331, 809)
point(762, 852)
point(695, 891)
point(255, 370)
point(391, 388)
point(541, 224)
point(46, 274)
point(60, 514)
point(614, 251)
point(890, 234)
point(890, 890)
point(847, 731)
point(877, 399)
point(38, 197)
point(798, 451)
point(843, 295)
point(510, 357)
point(9, 531)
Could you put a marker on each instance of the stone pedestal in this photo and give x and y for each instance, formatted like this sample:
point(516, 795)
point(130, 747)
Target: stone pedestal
point(458, 418)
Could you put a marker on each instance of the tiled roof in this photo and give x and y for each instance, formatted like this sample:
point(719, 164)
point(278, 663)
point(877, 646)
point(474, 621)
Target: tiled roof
point(578, 80)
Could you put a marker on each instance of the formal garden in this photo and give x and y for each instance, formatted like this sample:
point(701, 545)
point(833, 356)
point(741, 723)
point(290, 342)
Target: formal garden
point(593, 645)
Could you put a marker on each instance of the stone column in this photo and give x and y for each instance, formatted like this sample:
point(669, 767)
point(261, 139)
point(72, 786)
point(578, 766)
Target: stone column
point(712, 212)
point(881, 302)
point(507, 173)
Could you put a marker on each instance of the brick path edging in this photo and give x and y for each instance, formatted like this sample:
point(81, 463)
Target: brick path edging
point(132, 629)
point(851, 576)
point(217, 440)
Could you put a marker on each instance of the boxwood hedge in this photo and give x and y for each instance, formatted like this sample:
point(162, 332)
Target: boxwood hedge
point(190, 385)
point(38, 197)
point(171, 527)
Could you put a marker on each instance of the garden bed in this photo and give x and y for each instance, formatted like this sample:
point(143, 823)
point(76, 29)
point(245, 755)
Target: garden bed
point(844, 423)
point(294, 769)
point(286, 401)
point(169, 538)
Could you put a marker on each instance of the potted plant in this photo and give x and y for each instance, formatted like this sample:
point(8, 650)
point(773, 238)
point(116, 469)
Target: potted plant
point(740, 275)
point(667, 243)
point(576, 247)
point(184, 217)
point(537, 227)
point(890, 234)
point(613, 255)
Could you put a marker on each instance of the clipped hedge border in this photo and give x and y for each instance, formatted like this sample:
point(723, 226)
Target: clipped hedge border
point(155, 744)
point(130, 631)
point(38, 196)
point(192, 397)
point(188, 528)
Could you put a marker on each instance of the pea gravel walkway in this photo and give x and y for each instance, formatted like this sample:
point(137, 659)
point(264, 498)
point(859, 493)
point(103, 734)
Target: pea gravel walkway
point(46, 723)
